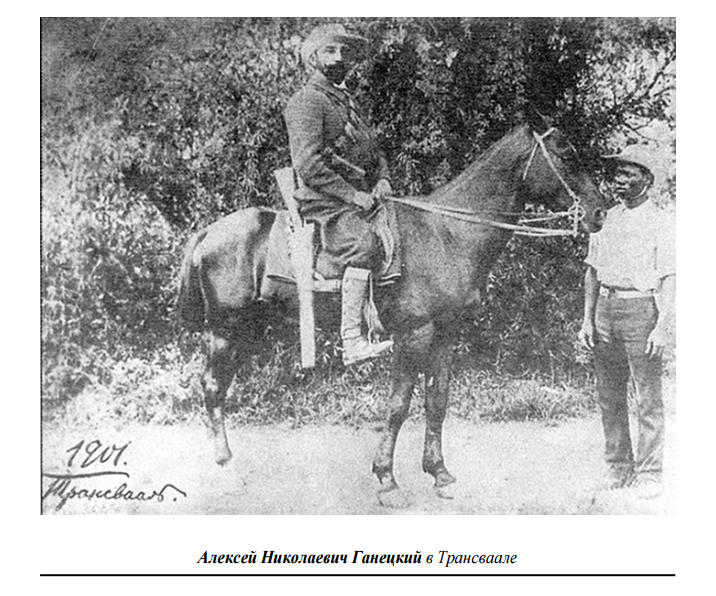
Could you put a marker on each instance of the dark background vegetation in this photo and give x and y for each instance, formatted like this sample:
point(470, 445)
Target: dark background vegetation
point(154, 127)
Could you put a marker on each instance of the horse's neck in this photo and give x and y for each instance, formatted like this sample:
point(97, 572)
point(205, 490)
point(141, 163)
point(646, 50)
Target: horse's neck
point(491, 184)
point(491, 189)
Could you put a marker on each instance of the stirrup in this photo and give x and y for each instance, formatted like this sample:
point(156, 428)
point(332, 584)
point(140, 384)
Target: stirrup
point(359, 349)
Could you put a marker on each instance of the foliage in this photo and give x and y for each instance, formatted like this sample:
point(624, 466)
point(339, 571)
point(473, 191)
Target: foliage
point(163, 388)
point(104, 258)
point(154, 127)
point(532, 311)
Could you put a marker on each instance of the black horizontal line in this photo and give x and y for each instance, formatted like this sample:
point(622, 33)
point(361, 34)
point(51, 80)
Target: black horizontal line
point(357, 575)
point(85, 474)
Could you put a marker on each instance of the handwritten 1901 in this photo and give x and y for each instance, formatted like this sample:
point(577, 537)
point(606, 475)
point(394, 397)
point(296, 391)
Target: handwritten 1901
point(90, 456)
point(94, 453)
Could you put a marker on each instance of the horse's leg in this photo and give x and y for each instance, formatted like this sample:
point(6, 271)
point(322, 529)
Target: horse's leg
point(220, 369)
point(404, 376)
point(437, 383)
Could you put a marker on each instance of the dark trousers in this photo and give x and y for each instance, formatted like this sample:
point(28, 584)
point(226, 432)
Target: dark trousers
point(623, 326)
point(347, 238)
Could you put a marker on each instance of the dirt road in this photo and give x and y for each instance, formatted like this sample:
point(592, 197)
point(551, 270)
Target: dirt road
point(510, 468)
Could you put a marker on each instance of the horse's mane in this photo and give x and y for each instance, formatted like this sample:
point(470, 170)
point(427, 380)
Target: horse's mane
point(458, 185)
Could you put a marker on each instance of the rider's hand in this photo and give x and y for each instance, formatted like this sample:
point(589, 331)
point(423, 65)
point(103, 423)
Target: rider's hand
point(382, 189)
point(364, 200)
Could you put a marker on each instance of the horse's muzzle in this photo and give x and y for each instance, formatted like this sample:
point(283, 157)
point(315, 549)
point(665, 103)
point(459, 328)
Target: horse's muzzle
point(596, 221)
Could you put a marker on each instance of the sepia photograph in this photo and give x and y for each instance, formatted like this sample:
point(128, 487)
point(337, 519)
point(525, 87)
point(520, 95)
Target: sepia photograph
point(358, 266)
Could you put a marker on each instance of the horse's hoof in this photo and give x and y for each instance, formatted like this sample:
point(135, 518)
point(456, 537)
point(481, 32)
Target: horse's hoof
point(223, 457)
point(393, 498)
point(445, 485)
point(446, 492)
point(444, 478)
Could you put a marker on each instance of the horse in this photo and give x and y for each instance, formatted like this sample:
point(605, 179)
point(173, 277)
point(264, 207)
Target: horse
point(449, 241)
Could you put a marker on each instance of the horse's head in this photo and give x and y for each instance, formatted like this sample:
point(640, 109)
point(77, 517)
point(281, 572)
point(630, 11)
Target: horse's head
point(553, 174)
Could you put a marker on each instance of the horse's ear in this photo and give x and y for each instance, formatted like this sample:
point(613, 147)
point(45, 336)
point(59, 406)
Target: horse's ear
point(538, 121)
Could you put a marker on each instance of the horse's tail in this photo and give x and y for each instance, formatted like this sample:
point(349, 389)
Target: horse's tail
point(191, 306)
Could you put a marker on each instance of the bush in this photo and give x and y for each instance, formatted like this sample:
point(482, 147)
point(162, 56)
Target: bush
point(108, 260)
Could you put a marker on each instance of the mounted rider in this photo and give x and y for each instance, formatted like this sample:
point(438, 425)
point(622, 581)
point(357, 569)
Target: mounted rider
point(340, 173)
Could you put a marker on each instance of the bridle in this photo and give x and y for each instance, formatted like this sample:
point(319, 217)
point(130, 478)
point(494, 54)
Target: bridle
point(575, 212)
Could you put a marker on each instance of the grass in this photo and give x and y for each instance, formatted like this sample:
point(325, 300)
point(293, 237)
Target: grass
point(163, 387)
point(482, 395)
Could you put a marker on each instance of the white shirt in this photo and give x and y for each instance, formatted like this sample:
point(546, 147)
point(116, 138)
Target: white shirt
point(635, 248)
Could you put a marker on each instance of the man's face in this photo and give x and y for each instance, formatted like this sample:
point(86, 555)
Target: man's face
point(630, 183)
point(331, 61)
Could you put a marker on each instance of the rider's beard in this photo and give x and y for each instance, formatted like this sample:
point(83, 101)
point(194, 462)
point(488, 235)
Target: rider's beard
point(335, 73)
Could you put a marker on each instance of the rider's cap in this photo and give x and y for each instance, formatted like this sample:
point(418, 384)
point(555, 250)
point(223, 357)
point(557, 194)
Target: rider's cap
point(329, 33)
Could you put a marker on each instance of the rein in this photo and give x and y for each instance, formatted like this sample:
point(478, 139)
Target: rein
point(575, 212)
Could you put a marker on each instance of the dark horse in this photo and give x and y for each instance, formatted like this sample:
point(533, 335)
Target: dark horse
point(446, 260)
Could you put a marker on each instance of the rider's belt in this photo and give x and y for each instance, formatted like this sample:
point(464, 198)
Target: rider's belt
point(612, 292)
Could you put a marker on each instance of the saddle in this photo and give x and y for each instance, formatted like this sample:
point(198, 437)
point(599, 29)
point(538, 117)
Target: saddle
point(279, 264)
point(292, 257)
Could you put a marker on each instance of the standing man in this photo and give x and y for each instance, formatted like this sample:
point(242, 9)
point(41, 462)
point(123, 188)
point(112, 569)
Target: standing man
point(340, 173)
point(628, 306)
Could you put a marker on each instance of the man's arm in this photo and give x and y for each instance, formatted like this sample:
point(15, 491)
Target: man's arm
point(591, 294)
point(304, 121)
point(658, 337)
point(666, 268)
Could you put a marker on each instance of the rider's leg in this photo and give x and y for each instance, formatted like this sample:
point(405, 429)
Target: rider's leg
point(356, 348)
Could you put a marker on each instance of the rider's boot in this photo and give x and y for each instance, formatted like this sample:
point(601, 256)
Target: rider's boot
point(356, 348)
